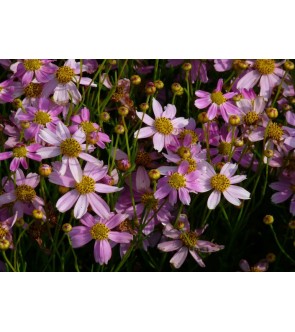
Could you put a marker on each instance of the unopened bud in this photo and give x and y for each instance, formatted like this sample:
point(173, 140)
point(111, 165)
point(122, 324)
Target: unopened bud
point(17, 103)
point(286, 107)
point(272, 112)
point(234, 120)
point(186, 66)
point(289, 65)
point(112, 62)
point(45, 170)
point(67, 227)
point(175, 87)
point(268, 219)
point(63, 190)
point(292, 224)
point(219, 166)
point(105, 116)
point(25, 124)
point(135, 79)
point(154, 174)
point(159, 84)
point(144, 107)
point(123, 110)
point(268, 153)
point(238, 143)
point(203, 117)
point(237, 97)
point(4, 244)
point(123, 165)
point(150, 88)
point(184, 152)
point(271, 257)
point(119, 129)
point(37, 214)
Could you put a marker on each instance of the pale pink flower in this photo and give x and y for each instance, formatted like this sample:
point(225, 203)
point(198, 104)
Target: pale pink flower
point(69, 146)
point(261, 266)
point(222, 183)
point(84, 192)
point(163, 128)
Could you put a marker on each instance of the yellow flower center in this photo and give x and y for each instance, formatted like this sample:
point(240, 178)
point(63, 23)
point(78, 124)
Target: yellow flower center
point(224, 148)
point(149, 201)
point(33, 90)
point(194, 136)
point(255, 269)
point(189, 239)
point(87, 127)
point(70, 147)
point(100, 232)
point(25, 193)
point(192, 165)
point(19, 151)
point(184, 152)
point(265, 67)
point(142, 158)
point(177, 181)
point(3, 232)
point(220, 182)
point(250, 118)
point(42, 118)
point(274, 131)
point(86, 186)
point(32, 64)
point(163, 126)
point(118, 94)
point(64, 74)
point(218, 98)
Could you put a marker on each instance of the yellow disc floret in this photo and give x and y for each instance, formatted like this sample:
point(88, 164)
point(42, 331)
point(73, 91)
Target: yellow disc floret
point(149, 201)
point(177, 181)
point(19, 151)
point(25, 193)
point(99, 232)
point(86, 186)
point(33, 90)
point(32, 64)
point(70, 147)
point(218, 98)
point(250, 118)
point(143, 158)
point(274, 131)
point(220, 182)
point(64, 74)
point(87, 127)
point(42, 118)
point(265, 66)
point(189, 239)
point(163, 126)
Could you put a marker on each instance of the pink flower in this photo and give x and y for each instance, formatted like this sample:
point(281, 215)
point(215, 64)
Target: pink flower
point(20, 153)
point(285, 189)
point(70, 147)
point(219, 102)
point(6, 92)
point(100, 230)
point(222, 183)
point(23, 195)
point(63, 84)
point(84, 191)
point(261, 266)
point(177, 182)
point(6, 229)
point(163, 128)
point(26, 70)
point(267, 72)
point(184, 240)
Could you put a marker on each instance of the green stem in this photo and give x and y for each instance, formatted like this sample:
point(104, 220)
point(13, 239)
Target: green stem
point(8, 261)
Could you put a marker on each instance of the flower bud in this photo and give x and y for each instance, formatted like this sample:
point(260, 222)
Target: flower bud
point(286, 107)
point(219, 166)
point(237, 97)
point(150, 88)
point(135, 79)
point(234, 120)
point(184, 152)
point(25, 124)
point(112, 62)
point(123, 165)
point(292, 100)
point(105, 116)
point(45, 170)
point(186, 66)
point(271, 257)
point(203, 117)
point(90, 139)
point(17, 103)
point(66, 227)
point(154, 174)
point(179, 92)
point(123, 110)
point(238, 143)
point(272, 112)
point(289, 65)
point(119, 129)
point(19, 222)
point(63, 190)
point(144, 107)
point(292, 224)
point(4, 244)
point(159, 84)
point(268, 153)
point(175, 87)
point(268, 219)
point(37, 214)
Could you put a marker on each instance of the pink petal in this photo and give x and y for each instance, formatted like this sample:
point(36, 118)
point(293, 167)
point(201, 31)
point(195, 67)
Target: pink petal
point(49, 137)
point(142, 180)
point(157, 108)
point(120, 237)
point(66, 202)
point(238, 192)
point(62, 131)
point(212, 111)
point(213, 199)
point(88, 157)
point(179, 123)
point(116, 220)
point(202, 94)
point(280, 197)
point(233, 200)
point(104, 188)
point(98, 205)
point(49, 152)
point(229, 169)
point(75, 169)
point(197, 258)
point(170, 111)
point(81, 207)
point(87, 220)
point(237, 179)
point(178, 259)
point(249, 80)
point(102, 252)
point(159, 141)
point(203, 102)
point(170, 245)
point(7, 198)
point(184, 196)
point(81, 238)
point(145, 132)
point(145, 118)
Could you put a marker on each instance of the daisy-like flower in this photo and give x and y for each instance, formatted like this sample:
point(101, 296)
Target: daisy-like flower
point(222, 183)
point(267, 72)
point(219, 102)
point(6, 92)
point(44, 115)
point(177, 182)
point(27, 70)
point(163, 128)
point(285, 188)
point(20, 153)
point(23, 195)
point(69, 146)
point(84, 191)
point(100, 230)
point(63, 84)
point(261, 266)
point(186, 241)
point(6, 229)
